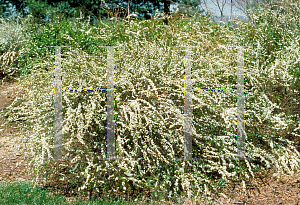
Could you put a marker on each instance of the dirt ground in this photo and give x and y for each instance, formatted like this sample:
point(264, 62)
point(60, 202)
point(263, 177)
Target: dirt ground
point(13, 162)
point(267, 188)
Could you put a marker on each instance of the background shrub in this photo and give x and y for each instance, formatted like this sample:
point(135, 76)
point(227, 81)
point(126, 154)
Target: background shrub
point(12, 39)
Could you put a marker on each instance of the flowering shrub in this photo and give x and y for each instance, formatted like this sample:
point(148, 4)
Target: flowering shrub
point(149, 112)
point(12, 38)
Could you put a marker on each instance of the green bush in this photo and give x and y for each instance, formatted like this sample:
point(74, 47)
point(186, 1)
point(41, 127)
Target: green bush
point(12, 39)
point(149, 108)
point(276, 28)
point(275, 37)
point(61, 32)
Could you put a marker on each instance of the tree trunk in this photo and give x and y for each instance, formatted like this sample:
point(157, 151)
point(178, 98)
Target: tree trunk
point(167, 4)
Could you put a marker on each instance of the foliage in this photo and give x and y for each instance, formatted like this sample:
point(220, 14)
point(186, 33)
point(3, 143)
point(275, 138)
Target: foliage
point(12, 38)
point(149, 107)
point(61, 32)
point(99, 9)
point(71, 8)
point(3, 7)
point(66, 32)
point(275, 33)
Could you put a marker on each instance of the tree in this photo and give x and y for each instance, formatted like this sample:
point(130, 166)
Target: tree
point(70, 8)
point(189, 7)
point(5, 10)
point(220, 4)
point(253, 5)
point(98, 9)
point(3, 7)
point(186, 7)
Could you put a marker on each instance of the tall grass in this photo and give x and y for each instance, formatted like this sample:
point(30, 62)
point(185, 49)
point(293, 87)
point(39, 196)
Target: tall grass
point(149, 100)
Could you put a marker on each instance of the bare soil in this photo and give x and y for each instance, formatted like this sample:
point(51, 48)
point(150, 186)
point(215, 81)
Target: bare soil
point(267, 188)
point(13, 163)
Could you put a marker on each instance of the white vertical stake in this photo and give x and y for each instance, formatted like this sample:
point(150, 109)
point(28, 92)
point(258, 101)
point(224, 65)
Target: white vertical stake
point(187, 106)
point(110, 141)
point(240, 104)
point(58, 106)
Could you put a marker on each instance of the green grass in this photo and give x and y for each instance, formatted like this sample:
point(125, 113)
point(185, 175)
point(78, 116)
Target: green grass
point(24, 193)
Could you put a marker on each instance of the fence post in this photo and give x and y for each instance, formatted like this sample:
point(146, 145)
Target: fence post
point(110, 141)
point(240, 104)
point(187, 106)
point(58, 106)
